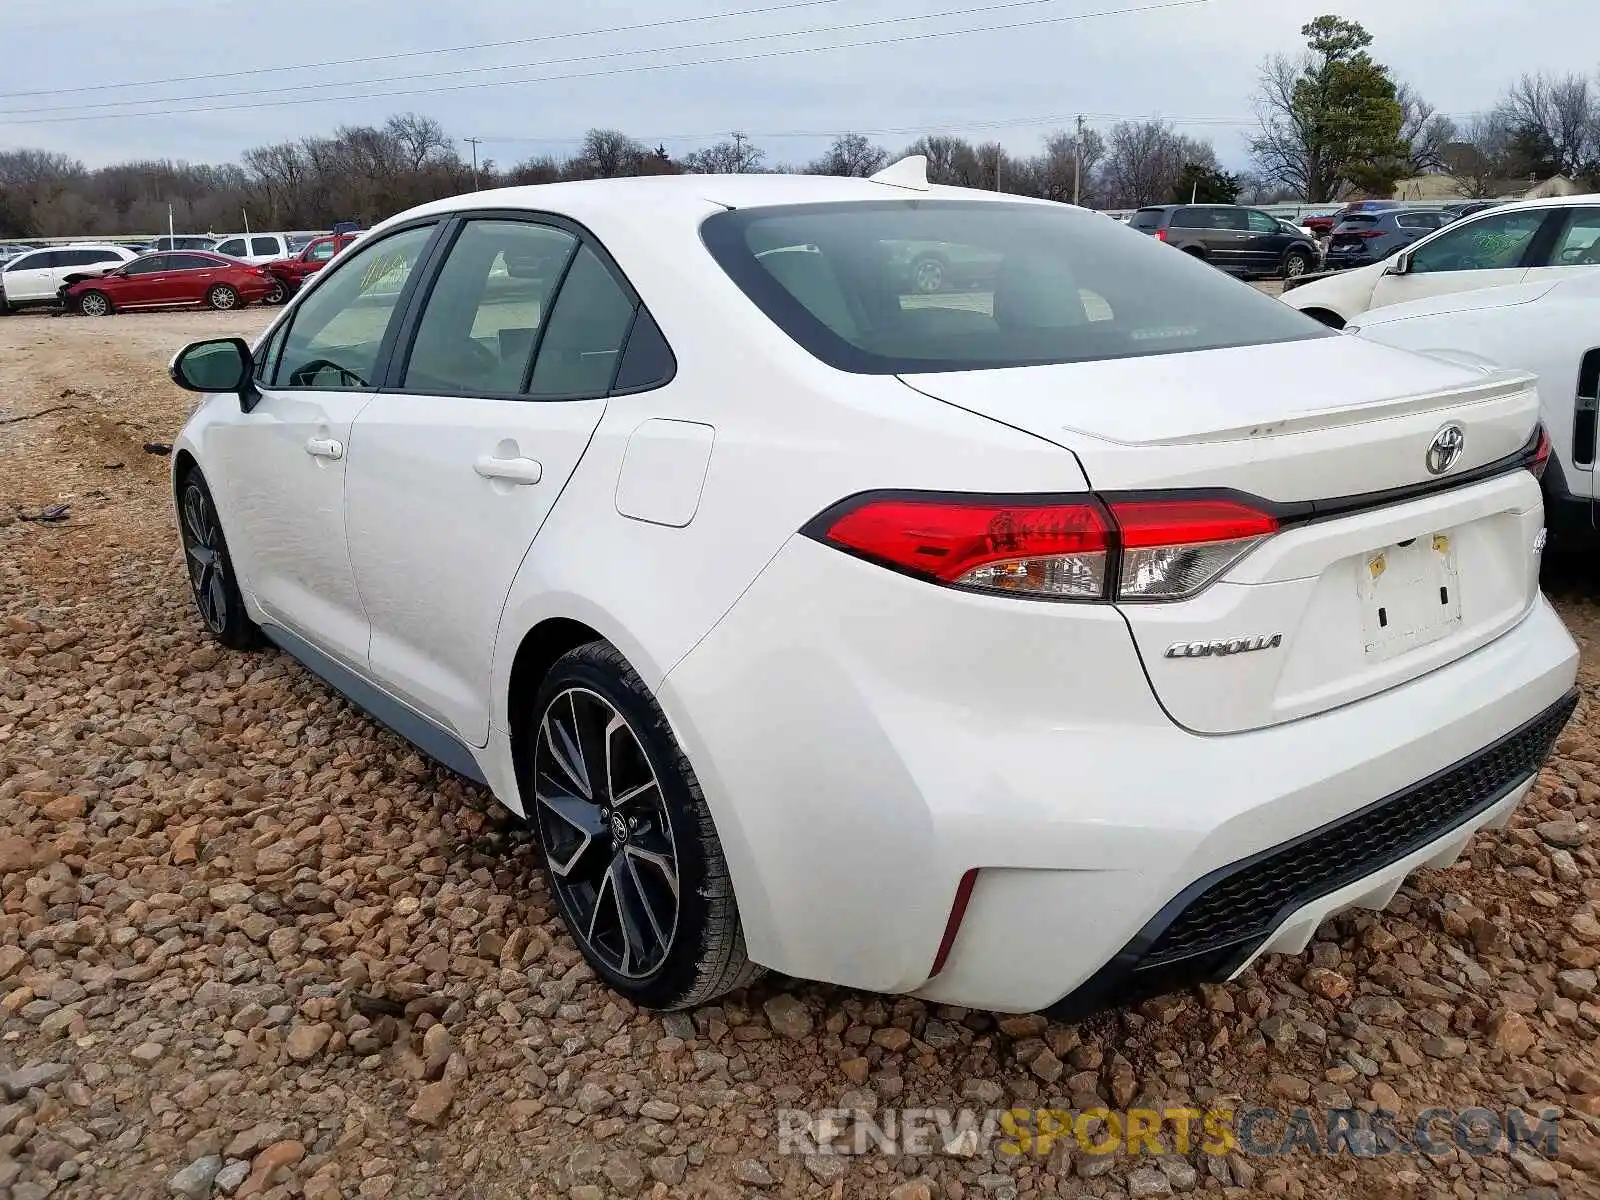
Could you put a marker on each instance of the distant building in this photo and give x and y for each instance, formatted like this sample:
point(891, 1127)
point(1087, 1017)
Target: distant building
point(1441, 189)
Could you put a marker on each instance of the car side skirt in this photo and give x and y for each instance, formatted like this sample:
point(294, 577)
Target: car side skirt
point(438, 744)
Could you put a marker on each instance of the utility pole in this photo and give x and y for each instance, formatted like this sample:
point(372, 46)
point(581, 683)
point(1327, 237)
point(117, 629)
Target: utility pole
point(738, 152)
point(1077, 163)
point(473, 142)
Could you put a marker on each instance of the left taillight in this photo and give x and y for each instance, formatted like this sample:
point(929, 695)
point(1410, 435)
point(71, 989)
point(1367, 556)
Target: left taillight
point(1070, 548)
point(1540, 458)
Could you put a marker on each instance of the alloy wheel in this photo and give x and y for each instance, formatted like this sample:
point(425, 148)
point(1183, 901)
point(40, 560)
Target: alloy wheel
point(607, 837)
point(278, 293)
point(202, 547)
point(1295, 266)
point(224, 298)
point(93, 304)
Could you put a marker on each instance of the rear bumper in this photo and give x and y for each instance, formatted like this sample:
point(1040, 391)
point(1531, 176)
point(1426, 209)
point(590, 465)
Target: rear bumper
point(863, 745)
point(1275, 900)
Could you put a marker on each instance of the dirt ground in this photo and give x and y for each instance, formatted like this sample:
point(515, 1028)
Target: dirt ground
point(253, 945)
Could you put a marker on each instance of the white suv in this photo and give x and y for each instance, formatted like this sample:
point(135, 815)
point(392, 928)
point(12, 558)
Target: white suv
point(1511, 243)
point(37, 277)
point(256, 247)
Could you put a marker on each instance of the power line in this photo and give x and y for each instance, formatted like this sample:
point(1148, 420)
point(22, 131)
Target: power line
point(648, 67)
point(456, 72)
point(374, 58)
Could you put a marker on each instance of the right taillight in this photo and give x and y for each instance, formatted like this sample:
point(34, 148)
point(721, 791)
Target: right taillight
point(1048, 548)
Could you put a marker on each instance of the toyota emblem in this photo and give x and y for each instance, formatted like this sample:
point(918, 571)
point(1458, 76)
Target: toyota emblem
point(1445, 450)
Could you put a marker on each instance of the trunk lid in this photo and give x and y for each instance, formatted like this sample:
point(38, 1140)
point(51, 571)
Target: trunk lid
point(1347, 599)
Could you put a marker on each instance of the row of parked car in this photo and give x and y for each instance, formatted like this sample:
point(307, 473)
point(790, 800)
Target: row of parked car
point(97, 279)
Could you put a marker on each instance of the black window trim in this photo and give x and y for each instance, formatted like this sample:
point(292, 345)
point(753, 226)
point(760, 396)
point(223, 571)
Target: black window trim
point(392, 369)
point(424, 265)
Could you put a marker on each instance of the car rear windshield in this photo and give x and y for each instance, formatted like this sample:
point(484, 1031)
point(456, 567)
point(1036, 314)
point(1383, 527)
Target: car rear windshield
point(1147, 218)
point(903, 286)
point(1361, 219)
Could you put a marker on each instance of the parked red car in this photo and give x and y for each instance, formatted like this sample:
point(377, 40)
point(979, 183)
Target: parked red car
point(289, 274)
point(164, 280)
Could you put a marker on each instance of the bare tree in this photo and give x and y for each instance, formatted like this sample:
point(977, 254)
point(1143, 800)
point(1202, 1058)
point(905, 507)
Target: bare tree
point(850, 154)
point(606, 154)
point(1055, 171)
point(1424, 129)
point(735, 156)
point(1562, 112)
point(951, 160)
point(1477, 161)
point(1144, 160)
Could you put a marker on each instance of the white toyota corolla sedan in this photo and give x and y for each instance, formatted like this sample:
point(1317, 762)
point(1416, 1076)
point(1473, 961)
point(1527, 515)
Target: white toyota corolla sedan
point(1079, 627)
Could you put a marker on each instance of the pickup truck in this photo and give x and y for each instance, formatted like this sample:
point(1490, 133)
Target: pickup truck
point(289, 274)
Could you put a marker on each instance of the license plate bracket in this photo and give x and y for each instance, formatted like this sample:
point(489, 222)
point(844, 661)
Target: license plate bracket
point(1410, 595)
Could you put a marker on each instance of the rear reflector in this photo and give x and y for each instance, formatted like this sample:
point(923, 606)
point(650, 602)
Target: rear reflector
point(1540, 458)
point(958, 910)
point(1072, 548)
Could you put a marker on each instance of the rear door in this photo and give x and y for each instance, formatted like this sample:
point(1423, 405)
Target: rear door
point(1489, 250)
point(1572, 245)
point(460, 458)
point(187, 278)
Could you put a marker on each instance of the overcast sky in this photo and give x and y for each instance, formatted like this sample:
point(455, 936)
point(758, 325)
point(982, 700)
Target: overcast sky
point(1194, 64)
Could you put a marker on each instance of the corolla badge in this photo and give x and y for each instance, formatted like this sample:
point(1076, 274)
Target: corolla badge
point(1267, 641)
point(1445, 450)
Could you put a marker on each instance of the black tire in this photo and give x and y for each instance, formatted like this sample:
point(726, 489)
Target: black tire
point(223, 298)
point(211, 578)
point(928, 274)
point(1296, 263)
point(279, 293)
point(656, 848)
point(94, 303)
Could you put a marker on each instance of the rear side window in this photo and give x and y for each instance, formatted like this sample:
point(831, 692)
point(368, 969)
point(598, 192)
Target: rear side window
point(1191, 218)
point(579, 350)
point(1023, 284)
point(86, 258)
point(481, 323)
point(191, 262)
point(1146, 219)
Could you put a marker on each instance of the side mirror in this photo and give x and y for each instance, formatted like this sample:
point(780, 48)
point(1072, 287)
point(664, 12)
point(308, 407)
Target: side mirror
point(1399, 265)
point(215, 366)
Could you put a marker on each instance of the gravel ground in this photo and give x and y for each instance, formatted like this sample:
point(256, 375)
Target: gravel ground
point(253, 945)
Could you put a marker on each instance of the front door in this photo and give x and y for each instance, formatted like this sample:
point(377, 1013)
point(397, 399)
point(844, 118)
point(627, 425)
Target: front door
point(283, 464)
point(456, 464)
point(32, 277)
point(1479, 252)
point(1264, 244)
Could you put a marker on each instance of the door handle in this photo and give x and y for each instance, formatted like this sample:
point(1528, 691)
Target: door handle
point(512, 470)
point(320, 447)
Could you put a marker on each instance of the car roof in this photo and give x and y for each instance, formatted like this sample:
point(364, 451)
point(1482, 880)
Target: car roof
point(634, 196)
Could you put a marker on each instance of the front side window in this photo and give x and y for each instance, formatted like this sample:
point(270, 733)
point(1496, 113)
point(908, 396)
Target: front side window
point(1260, 222)
point(1489, 243)
point(41, 260)
point(321, 252)
point(264, 245)
point(482, 319)
point(234, 247)
point(147, 265)
point(1579, 243)
point(336, 333)
point(1036, 284)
